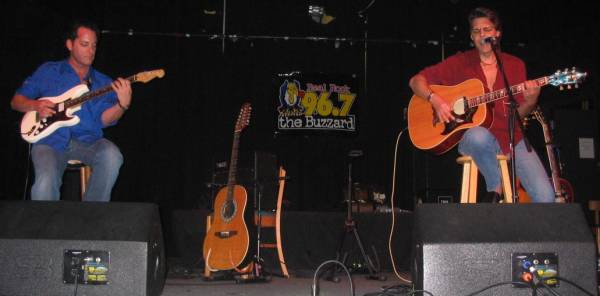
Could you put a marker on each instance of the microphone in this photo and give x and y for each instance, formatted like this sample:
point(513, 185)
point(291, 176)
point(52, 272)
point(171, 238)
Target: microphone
point(490, 40)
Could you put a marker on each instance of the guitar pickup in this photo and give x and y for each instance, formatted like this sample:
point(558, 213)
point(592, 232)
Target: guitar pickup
point(225, 234)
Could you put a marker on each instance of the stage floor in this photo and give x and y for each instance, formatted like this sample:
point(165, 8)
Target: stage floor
point(194, 284)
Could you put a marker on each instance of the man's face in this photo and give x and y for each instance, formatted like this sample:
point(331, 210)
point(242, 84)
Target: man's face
point(83, 48)
point(482, 28)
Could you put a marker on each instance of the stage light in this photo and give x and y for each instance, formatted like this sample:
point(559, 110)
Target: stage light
point(318, 14)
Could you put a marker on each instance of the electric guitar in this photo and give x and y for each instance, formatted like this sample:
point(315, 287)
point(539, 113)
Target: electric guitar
point(468, 102)
point(227, 240)
point(562, 188)
point(34, 128)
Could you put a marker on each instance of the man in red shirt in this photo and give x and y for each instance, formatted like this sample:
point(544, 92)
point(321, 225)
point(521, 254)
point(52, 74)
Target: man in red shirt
point(478, 142)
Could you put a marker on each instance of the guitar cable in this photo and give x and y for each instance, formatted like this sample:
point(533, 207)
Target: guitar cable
point(314, 288)
point(392, 208)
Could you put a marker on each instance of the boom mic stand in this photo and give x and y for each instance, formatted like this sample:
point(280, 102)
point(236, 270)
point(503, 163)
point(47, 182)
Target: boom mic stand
point(350, 227)
point(513, 117)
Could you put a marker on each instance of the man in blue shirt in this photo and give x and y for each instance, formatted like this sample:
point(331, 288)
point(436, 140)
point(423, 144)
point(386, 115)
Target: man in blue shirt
point(83, 141)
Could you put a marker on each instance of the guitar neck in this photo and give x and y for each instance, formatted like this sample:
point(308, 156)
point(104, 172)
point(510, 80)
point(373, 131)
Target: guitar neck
point(503, 93)
point(231, 180)
point(93, 94)
point(554, 170)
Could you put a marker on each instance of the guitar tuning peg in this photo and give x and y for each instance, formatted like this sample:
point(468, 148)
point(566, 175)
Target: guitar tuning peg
point(561, 87)
point(576, 85)
point(569, 86)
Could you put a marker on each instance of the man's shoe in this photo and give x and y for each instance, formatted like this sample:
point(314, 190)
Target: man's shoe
point(491, 197)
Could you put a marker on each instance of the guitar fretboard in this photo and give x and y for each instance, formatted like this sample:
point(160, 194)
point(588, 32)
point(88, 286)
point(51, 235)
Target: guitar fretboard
point(503, 93)
point(92, 94)
point(233, 165)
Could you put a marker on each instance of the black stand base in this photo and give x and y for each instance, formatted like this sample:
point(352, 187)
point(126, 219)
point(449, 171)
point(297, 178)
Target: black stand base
point(221, 275)
point(252, 279)
point(255, 275)
point(366, 260)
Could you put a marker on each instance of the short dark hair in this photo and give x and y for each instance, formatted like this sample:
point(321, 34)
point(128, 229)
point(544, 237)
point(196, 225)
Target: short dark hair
point(72, 33)
point(487, 13)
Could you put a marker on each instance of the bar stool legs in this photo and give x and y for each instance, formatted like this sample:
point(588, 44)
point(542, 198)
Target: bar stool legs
point(84, 173)
point(468, 192)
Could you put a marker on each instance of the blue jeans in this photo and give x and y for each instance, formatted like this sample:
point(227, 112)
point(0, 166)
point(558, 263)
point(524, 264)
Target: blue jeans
point(103, 156)
point(482, 146)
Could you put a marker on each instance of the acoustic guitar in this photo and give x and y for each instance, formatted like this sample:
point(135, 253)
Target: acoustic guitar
point(563, 191)
point(468, 102)
point(227, 240)
point(34, 128)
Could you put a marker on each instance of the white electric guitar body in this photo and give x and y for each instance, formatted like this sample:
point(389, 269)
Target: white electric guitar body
point(34, 128)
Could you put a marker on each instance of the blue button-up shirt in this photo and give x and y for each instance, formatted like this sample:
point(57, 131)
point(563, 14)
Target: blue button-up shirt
point(53, 79)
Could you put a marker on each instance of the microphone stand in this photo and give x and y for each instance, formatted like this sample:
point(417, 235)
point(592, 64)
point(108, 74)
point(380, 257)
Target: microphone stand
point(513, 117)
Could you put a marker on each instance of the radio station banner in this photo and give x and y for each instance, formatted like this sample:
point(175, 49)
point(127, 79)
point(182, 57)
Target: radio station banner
point(316, 102)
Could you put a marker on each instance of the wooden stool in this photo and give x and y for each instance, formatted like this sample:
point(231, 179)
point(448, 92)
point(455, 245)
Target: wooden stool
point(272, 220)
point(594, 205)
point(84, 173)
point(468, 192)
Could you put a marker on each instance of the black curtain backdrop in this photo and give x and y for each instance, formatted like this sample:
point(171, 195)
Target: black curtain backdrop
point(178, 127)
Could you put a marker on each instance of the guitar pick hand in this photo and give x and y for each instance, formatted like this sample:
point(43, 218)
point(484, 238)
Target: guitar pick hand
point(44, 108)
point(442, 109)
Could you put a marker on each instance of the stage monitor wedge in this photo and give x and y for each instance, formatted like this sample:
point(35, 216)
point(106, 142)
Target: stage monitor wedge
point(459, 249)
point(107, 248)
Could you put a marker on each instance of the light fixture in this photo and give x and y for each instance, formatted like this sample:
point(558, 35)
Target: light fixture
point(318, 14)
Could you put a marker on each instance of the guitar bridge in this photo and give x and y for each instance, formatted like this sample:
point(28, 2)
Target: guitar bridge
point(225, 234)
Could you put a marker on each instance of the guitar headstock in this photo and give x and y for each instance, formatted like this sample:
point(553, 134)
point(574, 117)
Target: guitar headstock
point(537, 113)
point(567, 77)
point(149, 75)
point(243, 118)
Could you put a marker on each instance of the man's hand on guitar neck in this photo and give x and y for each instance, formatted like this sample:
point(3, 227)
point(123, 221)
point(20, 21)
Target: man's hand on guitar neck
point(531, 94)
point(122, 88)
point(442, 109)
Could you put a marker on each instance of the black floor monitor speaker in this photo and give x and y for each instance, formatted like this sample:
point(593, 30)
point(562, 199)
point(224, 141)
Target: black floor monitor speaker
point(459, 249)
point(57, 248)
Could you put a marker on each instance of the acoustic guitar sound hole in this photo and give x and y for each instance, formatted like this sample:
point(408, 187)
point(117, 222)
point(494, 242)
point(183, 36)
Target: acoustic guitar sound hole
point(228, 210)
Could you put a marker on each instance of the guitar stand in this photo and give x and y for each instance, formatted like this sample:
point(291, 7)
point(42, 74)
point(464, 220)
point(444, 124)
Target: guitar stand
point(350, 227)
point(256, 273)
point(220, 275)
point(251, 273)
